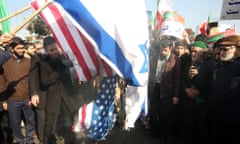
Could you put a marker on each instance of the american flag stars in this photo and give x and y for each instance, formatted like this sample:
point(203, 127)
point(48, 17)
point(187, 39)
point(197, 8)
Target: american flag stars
point(103, 118)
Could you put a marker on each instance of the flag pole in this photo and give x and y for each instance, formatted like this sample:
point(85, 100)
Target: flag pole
point(16, 13)
point(30, 17)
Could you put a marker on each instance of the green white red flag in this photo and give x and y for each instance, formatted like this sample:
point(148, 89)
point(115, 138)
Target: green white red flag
point(162, 7)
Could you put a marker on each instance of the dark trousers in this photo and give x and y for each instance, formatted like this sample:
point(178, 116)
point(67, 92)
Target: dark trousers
point(162, 116)
point(5, 129)
point(196, 122)
point(154, 100)
point(15, 111)
point(50, 127)
point(224, 133)
point(167, 121)
point(59, 126)
point(40, 122)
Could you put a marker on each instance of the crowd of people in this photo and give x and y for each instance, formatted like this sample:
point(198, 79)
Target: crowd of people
point(38, 89)
point(194, 90)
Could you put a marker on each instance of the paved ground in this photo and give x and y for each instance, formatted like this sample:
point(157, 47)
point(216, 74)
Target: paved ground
point(136, 135)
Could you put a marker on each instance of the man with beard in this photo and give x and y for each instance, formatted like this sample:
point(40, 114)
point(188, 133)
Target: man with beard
point(56, 80)
point(196, 85)
point(16, 91)
point(224, 102)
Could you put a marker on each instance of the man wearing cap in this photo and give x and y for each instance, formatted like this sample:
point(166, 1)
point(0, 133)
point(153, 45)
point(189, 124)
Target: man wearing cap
point(196, 85)
point(225, 98)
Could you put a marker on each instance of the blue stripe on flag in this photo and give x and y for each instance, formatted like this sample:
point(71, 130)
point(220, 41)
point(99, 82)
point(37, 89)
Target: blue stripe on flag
point(107, 45)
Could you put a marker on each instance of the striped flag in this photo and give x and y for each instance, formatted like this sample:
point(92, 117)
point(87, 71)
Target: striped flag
point(98, 117)
point(92, 31)
point(79, 49)
point(163, 6)
point(173, 25)
point(203, 28)
point(101, 36)
point(4, 13)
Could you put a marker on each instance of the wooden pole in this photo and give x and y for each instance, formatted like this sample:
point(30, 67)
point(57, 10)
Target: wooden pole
point(16, 13)
point(30, 18)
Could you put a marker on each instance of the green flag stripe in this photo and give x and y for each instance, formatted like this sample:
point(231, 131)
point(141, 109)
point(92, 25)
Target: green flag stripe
point(4, 13)
point(215, 38)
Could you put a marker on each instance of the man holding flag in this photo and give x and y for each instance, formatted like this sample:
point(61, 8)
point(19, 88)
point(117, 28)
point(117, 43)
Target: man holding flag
point(101, 39)
point(5, 130)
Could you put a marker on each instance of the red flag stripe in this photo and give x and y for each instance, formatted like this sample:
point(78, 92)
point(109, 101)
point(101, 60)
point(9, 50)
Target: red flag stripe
point(83, 116)
point(70, 40)
point(59, 35)
point(159, 20)
point(69, 37)
point(90, 49)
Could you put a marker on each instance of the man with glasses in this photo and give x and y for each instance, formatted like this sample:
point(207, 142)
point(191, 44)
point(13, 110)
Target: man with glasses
point(224, 102)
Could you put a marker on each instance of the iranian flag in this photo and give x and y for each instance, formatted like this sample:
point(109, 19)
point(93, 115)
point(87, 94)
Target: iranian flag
point(163, 6)
point(203, 28)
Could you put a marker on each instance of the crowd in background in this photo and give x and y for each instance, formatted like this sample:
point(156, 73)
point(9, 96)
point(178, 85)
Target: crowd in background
point(193, 90)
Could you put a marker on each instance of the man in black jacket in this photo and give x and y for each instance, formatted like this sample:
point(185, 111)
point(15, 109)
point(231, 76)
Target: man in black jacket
point(196, 86)
point(224, 102)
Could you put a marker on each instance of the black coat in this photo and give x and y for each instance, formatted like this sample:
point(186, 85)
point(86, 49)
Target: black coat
point(202, 81)
point(226, 92)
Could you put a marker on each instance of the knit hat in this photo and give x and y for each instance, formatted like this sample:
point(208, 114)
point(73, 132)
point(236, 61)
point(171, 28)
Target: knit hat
point(200, 44)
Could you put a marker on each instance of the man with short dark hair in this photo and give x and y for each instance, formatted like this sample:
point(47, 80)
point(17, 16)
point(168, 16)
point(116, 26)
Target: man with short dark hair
point(60, 105)
point(166, 92)
point(16, 88)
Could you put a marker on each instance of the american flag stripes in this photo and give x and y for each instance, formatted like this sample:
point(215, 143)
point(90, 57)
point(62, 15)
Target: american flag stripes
point(116, 37)
point(101, 37)
point(82, 53)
